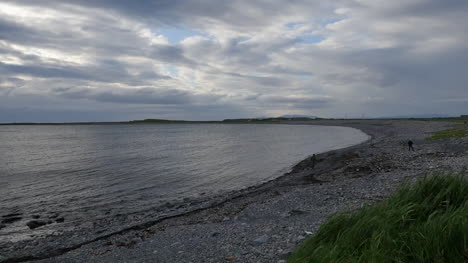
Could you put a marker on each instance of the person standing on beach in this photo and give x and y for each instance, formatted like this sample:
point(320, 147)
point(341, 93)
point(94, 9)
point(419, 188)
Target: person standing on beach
point(410, 145)
point(314, 160)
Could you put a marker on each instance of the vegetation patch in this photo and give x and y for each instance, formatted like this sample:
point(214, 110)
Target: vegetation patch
point(422, 222)
point(450, 133)
point(462, 119)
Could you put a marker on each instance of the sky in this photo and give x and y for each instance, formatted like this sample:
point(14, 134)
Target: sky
point(117, 60)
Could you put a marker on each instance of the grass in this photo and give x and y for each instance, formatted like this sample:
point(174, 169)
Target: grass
point(460, 130)
point(423, 222)
point(450, 133)
point(462, 119)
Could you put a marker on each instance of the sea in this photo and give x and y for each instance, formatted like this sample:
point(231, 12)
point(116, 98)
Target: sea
point(90, 173)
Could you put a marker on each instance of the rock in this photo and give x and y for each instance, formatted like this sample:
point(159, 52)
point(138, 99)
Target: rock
point(60, 220)
point(295, 212)
point(2, 226)
point(215, 234)
point(285, 255)
point(300, 238)
point(231, 258)
point(35, 224)
point(260, 240)
point(54, 215)
point(36, 216)
point(126, 243)
point(12, 215)
point(10, 220)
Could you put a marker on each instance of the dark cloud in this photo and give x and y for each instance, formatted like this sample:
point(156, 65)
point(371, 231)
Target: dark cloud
point(266, 81)
point(158, 96)
point(176, 12)
point(299, 101)
point(415, 75)
point(433, 7)
point(171, 54)
point(9, 30)
point(106, 71)
point(42, 71)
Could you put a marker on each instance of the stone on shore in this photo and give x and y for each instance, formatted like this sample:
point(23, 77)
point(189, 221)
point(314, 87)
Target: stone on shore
point(10, 220)
point(260, 240)
point(35, 224)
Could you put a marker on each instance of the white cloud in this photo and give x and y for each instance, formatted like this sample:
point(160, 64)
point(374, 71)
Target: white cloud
point(249, 57)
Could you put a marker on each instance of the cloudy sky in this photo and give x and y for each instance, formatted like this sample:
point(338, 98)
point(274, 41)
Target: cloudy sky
point(108, 60)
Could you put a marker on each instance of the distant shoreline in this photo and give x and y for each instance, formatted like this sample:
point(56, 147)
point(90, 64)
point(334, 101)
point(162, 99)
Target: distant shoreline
point(236, 121)
point(163, 121)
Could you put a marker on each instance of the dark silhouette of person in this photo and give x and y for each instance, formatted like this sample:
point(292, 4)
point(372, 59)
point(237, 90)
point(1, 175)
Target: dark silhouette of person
point(410, 145)
point(314, 160)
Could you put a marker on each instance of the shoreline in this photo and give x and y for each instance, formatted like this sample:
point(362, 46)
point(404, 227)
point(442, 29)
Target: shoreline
point(263, 206)
point(40, 247)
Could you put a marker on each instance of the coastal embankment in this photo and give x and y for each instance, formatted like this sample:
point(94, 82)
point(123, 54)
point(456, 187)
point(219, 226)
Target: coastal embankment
point(265, 223)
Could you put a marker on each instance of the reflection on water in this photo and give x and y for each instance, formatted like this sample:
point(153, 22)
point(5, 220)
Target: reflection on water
point(91, 171)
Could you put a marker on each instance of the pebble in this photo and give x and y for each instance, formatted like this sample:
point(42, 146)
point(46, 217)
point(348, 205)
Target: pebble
point(260, 240)
point(300, 238)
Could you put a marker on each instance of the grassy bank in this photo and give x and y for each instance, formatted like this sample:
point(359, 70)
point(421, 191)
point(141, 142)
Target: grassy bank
point(450, 133)
point(424, 222)
point(458, 131)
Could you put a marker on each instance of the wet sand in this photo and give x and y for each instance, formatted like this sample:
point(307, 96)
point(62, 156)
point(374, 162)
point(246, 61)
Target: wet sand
point(265, 223)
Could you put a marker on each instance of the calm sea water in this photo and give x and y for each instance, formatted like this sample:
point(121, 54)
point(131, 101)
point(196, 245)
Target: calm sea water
point(91, 171)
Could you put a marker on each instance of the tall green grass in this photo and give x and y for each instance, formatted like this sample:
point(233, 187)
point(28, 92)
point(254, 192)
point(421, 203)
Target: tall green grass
point(423, 222)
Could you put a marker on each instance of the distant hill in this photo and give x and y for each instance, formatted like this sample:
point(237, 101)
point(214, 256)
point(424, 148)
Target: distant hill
point(158, 121)
point(268, 120)
point(294, 116)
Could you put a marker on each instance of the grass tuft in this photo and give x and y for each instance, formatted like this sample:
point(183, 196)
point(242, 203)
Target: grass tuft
point(423, 222)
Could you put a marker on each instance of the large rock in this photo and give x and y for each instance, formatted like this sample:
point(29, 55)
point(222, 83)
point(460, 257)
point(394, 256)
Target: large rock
point(10, 220)
point(35, 224)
